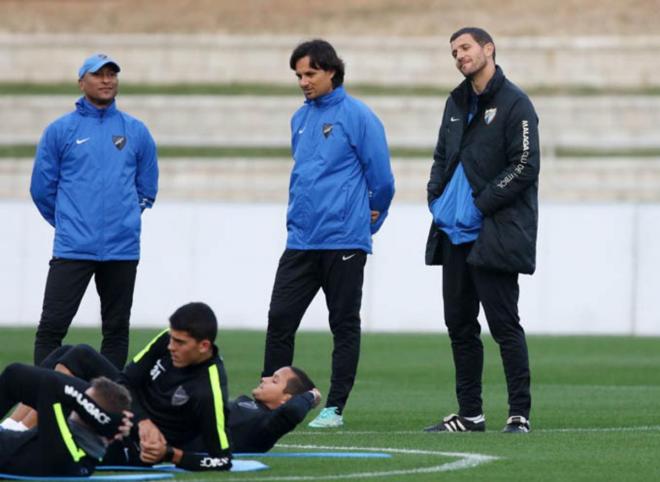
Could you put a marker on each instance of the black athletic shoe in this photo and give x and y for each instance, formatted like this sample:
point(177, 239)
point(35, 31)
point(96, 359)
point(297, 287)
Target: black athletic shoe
point(456, 423)
point(517, 424)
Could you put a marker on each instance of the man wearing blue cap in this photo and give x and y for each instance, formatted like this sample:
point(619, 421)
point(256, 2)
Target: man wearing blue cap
point(94, 173)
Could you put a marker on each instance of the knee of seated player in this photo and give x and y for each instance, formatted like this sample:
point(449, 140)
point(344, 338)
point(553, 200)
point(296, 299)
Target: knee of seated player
point(22, 383)
point(74, 358)
point(8, 375)
point(51, 360)
point(83, 350)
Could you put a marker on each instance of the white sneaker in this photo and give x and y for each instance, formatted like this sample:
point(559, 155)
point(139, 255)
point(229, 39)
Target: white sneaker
point(328, 418)
point(517, 424)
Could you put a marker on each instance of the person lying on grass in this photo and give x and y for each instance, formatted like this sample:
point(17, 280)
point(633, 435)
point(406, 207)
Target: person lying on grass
point(164, 430)
point(77, 422)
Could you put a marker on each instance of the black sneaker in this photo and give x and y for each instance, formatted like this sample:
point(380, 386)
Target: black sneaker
point(516, 424)
point(456, 423)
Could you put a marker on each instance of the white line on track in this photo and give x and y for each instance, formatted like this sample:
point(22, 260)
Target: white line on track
point(465, 461)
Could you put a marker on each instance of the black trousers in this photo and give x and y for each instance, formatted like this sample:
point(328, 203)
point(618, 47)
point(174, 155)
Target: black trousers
point(463, 288)
point(65, 286)
point(300, 275)
point(83, 361)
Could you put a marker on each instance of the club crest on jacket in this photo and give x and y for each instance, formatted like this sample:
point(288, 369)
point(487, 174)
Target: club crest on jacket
point(327, 129)
point(119, 142)
point(489, 115)
point(180, 397)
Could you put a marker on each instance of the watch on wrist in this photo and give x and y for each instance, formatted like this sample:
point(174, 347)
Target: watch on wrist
point(169, 453)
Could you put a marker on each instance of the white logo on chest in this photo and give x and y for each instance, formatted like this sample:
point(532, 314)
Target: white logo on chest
point(157, 370)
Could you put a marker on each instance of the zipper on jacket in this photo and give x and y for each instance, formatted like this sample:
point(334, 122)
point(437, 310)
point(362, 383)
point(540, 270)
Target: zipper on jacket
point(103, 191)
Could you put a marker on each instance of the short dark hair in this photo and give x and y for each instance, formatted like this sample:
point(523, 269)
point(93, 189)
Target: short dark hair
point(478, 34)
point(322, 56)
point(301, 383)
point(111, 396)
point(197, 319)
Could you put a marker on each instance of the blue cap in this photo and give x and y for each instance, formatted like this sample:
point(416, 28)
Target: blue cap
point(94, 62)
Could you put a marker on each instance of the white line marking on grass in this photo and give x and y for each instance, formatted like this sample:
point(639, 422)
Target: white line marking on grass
point(466, 461)
point(643, 428)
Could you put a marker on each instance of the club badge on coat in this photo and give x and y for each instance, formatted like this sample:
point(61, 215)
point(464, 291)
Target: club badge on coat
point(119, 142)
point(489, 115)
point(327, 129)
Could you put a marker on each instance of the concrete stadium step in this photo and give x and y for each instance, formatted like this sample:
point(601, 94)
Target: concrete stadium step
point(565, 121)
point(266, 180)
point(606, 61)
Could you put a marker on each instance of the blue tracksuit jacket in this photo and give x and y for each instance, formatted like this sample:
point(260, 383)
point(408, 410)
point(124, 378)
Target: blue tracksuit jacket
point(94, 172)
point(455, 212)
point(341, 173)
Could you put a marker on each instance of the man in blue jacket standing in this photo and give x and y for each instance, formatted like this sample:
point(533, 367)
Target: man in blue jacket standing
point(340, 191)
point(94, 173)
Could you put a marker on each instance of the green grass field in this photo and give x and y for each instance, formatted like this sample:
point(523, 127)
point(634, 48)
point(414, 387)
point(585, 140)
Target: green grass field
point(595, 417)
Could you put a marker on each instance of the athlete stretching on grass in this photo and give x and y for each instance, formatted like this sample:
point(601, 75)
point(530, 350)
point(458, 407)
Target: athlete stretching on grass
point(278, 404)
point(77, 420)
point(179, 390)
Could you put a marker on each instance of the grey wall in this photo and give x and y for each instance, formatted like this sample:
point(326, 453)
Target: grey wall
point(597, 268)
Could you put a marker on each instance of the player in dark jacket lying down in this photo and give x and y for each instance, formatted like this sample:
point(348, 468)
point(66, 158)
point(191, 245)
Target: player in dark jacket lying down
point(77, 420)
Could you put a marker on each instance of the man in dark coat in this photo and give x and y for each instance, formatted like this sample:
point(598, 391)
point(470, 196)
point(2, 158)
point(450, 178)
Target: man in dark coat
point(483, 193)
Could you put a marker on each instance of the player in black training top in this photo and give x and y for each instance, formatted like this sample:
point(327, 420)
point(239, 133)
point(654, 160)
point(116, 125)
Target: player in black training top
point(179, 389)
point(279, 403)
point(77, 420)
point(169, 415)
